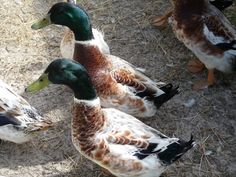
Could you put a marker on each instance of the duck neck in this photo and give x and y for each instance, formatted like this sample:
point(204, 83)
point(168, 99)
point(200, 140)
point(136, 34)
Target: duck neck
point(89, 55)
point(80, 24)
point(82, 31)
point(88, 119)
point(83, 90)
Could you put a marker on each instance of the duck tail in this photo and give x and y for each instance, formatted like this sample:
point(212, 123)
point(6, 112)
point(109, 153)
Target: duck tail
point(175, 150)
point(169, 90)
point(221, 4)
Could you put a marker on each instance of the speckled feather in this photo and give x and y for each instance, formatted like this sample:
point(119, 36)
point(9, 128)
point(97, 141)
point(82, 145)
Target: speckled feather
point(17, 118)
point(204, 30)
point(119, 82)
point(121, 143)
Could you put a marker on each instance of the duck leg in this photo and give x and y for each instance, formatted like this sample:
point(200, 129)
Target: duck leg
point(206, 83)
point(195, 66)
point(162, 20)
point(211, 77)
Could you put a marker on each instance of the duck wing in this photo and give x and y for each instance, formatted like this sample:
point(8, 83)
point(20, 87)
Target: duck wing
point(141, 141)
point(16, 110)
point(138, 83)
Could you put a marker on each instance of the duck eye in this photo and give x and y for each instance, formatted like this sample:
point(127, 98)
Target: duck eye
point(41, 80)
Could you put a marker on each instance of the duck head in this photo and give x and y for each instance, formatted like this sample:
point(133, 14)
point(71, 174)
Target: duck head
point(70, 15)
point(69, 73)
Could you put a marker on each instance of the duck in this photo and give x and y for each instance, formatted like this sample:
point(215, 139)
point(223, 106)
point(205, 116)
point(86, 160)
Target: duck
point(68, 41)
point(116, 141)
point(19, 121)
point(120, 84)
point(208, 34)
point(162, 20)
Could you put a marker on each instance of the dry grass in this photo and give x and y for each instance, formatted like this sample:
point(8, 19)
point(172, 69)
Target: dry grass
point(24, 54)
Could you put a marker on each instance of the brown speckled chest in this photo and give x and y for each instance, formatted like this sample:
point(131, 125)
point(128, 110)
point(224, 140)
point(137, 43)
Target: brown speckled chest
point(98, 68)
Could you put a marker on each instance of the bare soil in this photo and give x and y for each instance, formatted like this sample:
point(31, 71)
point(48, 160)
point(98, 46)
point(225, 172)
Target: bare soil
point(25, 53)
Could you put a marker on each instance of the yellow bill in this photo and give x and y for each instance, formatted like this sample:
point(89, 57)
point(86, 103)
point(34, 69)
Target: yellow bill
point(42, 23)
point(39, 84)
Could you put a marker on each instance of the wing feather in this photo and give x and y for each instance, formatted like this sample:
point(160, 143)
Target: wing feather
point(127, 74)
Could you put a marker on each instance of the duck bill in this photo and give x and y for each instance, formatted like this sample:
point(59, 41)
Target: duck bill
point(39, 84)
point(42, 23)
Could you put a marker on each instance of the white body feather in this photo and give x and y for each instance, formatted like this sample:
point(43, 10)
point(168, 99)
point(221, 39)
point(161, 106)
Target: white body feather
point(16, 109)
point(10, 133)
point(223, 62)
point(117, 121)
point(68, 43)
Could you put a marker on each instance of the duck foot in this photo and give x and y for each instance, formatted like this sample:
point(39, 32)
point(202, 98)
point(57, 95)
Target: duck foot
point(162, 20)
point(205, 83)
point(195, 66)
point(201, 85)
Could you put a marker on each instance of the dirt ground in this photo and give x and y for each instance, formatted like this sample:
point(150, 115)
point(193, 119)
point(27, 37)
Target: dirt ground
point(209, 114)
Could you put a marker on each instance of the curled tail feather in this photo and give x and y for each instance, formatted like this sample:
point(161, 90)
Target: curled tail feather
point(169, 90)
point(221, 4)
point(175, 150)
point(166, 154)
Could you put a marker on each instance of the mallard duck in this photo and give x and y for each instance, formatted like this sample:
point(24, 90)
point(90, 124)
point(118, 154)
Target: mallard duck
point(113, 139)
point(120, 84)
point(18, 120)
point(220, 4)
point(208, 34)
point(68, 41)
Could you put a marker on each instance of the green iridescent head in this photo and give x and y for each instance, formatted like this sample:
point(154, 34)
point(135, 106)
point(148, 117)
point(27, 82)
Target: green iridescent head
point(70, 15)
point(66, 72)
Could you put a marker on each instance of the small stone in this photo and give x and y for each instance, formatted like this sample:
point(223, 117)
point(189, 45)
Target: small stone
point(18, 2)
point(113, 20)
point(190, 103)
point(208, 152)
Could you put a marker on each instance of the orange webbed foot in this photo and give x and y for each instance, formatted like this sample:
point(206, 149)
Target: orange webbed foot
point(200, 85)
point(205, 83)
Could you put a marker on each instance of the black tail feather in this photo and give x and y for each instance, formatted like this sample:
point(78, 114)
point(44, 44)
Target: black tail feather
point(7, 118)
point(169, 93)
point(222, 4)
point(227, 45)
point(175, 150)
point(234, 64)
